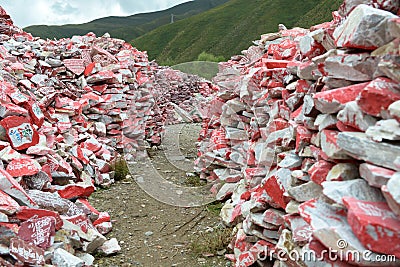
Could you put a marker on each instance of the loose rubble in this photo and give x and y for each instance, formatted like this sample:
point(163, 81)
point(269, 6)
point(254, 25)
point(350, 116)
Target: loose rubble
point(68, 108)
point(302, 137)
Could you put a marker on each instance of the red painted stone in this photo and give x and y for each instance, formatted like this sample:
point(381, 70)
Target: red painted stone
point(276, 191)
point(75, 190)
point(77, 66)
point(38, 231)
point(103, 217)
point(303, 137)
point(375, 225)
point(26, 253)
point(23, 167)
point(25, 213)
point(319, 171)
point(80, 220)
point(384, 89)
point(331, 101)
point(35, 112)
point(20, 132)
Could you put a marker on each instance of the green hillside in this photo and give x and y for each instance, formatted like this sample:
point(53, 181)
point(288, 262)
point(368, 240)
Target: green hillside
point(230, 28)
point(126, 28)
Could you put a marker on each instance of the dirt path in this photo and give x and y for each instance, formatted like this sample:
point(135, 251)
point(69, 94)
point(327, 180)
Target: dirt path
point(150, 232)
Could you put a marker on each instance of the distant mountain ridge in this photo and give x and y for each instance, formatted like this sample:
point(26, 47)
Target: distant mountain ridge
point(229, 28)
point(126, 28)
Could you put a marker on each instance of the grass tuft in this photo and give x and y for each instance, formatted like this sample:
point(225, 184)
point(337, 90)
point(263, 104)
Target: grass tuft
point(120, 167)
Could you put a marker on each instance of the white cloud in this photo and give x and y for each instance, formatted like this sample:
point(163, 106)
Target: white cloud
point(50, 12)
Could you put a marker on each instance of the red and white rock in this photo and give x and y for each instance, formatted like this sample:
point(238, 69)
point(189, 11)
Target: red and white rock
point(384, 89)
point(375, 176)
point(26, 253)
point(10, 186)
point(23, 167)
point(334, 100)
point(351, 115)
point(39, 232)
point(375, 225)
point(361, 30)
point(20, 132)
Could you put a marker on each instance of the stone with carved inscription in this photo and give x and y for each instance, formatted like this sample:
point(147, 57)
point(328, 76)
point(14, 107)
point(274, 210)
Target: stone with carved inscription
point(22, 167)
point(38, 231)
point(26, 253)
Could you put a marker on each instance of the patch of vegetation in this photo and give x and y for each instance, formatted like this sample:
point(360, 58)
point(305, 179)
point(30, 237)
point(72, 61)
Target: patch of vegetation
point(120, 167)
point(126, 28)
point(211, 242)
point(204, 56)
point(229, 28)
point(215, 207)
point(205, 69)
point(194, 181)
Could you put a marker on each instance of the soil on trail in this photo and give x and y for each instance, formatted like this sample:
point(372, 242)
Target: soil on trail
point(152, 233)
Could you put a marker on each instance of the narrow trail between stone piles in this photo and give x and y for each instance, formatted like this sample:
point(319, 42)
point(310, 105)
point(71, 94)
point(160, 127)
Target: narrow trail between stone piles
point(150, 232)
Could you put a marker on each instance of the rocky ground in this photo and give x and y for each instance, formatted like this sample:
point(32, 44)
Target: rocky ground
point(152, 233)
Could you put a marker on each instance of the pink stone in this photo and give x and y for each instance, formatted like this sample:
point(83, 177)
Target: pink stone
point(375, 225)
point(75, 65)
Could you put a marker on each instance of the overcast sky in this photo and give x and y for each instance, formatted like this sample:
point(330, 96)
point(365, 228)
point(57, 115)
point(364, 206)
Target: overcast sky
point(56, 12)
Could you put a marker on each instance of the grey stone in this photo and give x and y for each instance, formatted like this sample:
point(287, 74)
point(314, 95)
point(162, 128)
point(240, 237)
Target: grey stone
point(359, 146)
point(110, 247)
point(384, 129)
point(394, 187)
point(324, 121)
point(343, 172)
point(63, 258)
point(305, 191)
point(358, 189)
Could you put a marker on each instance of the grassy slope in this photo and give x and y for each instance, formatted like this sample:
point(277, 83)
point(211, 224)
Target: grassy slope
point(126, 28)
point(229, 28)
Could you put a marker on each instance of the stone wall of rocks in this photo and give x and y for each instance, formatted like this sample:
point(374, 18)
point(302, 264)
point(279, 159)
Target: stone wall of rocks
point(303, 139)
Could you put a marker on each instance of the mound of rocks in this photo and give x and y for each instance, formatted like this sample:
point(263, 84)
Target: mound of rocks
point(303, 138)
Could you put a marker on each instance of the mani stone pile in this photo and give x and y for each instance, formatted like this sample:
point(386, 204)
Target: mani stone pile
point(303, 141)
point(68, 108)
